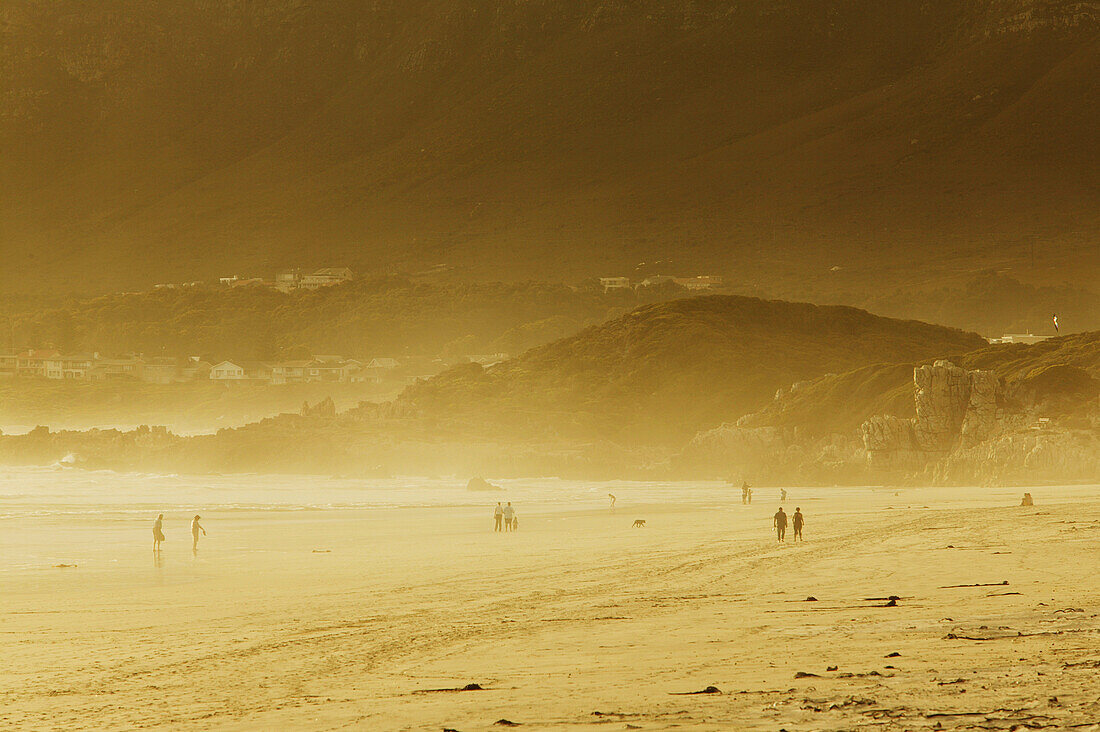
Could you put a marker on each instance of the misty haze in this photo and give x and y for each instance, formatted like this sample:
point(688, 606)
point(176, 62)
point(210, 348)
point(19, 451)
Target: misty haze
point(475, 364)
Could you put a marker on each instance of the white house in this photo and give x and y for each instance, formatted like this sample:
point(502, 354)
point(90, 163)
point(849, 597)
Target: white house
point(1027, 338)
point(702, 282)
point(241, 371)
point(325, 277)
point(615, 283)
point(227, 371)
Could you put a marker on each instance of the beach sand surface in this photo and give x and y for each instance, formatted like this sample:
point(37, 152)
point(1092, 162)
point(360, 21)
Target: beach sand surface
point(355, 618)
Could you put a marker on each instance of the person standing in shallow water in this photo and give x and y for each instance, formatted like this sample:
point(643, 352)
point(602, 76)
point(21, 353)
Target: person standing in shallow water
point(498, 516)
point(196, 527)
point(796, 523)
point(158, 532)
point(509, 514)
point(780, 523)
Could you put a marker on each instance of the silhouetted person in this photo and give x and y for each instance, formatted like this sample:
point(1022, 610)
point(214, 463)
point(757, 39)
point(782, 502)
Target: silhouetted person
point(509, 515)
point(782, 494)
point(158, 532)
point(498, 516)
point(780, 522)
point(612, 497)
point(515, 522)
point(748, 491)
point(744, 493)
point(196, 527)
point(796, 522)
point(1028, 500)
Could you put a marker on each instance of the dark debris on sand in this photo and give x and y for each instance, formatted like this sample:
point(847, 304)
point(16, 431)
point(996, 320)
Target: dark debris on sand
point(708, 690)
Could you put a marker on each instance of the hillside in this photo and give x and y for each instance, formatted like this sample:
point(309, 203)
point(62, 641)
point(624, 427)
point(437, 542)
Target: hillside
point(383, 316)
point(662, 372)
point(185, 139)
point(1063, 373)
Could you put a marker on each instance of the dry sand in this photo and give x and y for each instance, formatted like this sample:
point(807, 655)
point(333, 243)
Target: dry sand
point(575, 622)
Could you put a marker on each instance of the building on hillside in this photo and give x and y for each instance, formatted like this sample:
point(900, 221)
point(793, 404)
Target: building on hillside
point(228, 281)
point(487, 359)
point(387, 364)
point(160, 370)
point(325, 277)
point(33, 362)
point(253, 371)
point(333, 368)
point(291, 372)
point(288, 280)
point(64, 368)
point(655, 280)
point(1027, 338)
point(115, 369)
point(615, 283)
point(9, 363)
point(702, 282)
point(195, 368)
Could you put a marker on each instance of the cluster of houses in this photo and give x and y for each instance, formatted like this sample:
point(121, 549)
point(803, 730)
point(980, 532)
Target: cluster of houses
point(50, 364)
point(1027, 338)
point(288, 280)
point(698, 283)
point(54, 365)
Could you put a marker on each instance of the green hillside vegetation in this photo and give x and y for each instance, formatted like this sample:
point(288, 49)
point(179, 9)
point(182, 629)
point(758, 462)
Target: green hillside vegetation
point(662, 372)
point(839, 403)
point(189, 407)
point(173, 140)
point(384, 316)
point(1061, 372)
point(991, 304)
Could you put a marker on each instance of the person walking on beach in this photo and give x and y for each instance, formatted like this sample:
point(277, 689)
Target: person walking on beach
point(158, 532)
point(796, 523)
point(744, 492)
point(748, 491)
point(780, 522)
point(498, 516)
point(782, 494)
point(509, 514)
point(612, 497)
point(196, 527)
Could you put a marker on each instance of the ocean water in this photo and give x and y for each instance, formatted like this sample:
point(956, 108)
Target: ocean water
point(59, 514)
point(63, 491)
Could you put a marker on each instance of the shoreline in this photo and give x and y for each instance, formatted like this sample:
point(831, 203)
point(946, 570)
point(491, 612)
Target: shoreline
point(575, 613)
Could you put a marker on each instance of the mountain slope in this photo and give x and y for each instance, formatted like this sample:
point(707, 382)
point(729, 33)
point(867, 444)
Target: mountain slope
point(663, 372)
point(189, 138)
point(1062, 373)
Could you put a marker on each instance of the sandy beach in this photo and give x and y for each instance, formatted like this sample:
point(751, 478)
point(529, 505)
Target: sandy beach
point(369, 618)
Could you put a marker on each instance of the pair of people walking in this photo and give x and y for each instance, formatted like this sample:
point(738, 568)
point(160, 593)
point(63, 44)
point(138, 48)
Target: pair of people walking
point(158, 532)
point(507, 516)
point(779, 521)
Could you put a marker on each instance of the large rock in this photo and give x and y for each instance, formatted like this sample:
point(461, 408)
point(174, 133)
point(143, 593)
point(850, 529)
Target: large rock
point(954, 407)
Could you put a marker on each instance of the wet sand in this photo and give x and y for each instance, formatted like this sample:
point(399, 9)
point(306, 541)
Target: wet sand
point(357, 619)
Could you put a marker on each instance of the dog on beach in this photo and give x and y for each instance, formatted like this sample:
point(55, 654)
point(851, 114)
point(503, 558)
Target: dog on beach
point(638, 524)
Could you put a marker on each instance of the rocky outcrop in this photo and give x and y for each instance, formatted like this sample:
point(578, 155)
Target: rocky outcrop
point(1024, 456)
point(480, 484)
point(955, 407)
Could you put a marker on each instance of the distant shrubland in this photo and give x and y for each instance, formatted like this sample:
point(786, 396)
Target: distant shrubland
point(663, 371)
point(385, 316)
